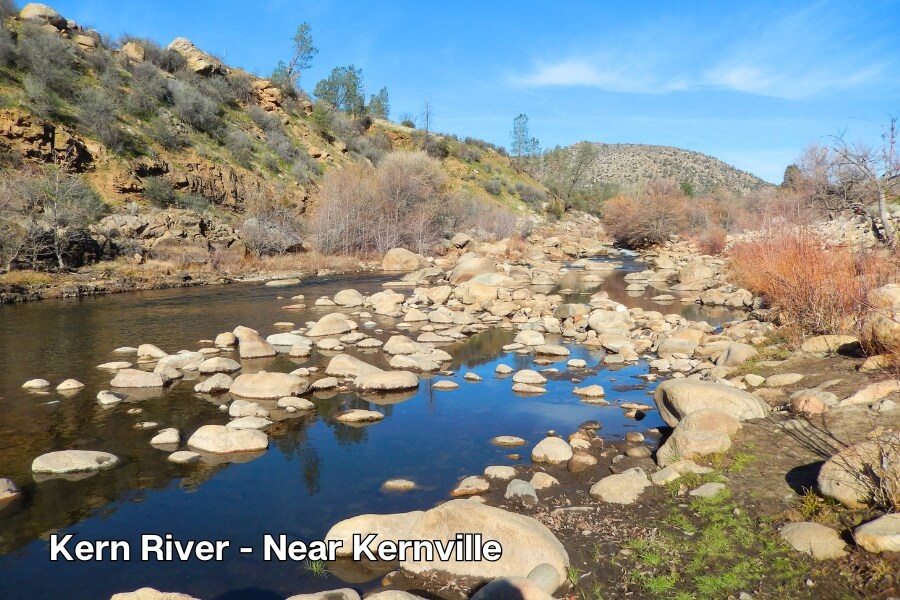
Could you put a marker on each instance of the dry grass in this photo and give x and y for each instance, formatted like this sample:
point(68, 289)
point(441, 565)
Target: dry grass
point(816, 289)
point(306, 262)
point(26, 278)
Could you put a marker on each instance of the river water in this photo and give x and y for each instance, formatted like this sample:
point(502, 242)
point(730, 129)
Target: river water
point(316, 471)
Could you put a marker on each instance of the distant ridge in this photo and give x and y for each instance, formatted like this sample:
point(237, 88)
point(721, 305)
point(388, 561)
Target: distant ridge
point(634, 164)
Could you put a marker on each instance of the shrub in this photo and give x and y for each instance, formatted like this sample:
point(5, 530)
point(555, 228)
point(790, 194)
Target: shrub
point(49, 60)
point(7, 46)
point(493, 187)
point(242, 87)
point(305, 168)
point(814, 289)
point(98, 111)
point(362, 210)
point(469, 154)
point(241, 147)
point(160, 192)
point(195, 109)
point(148, 89)
point(167, 60)
point(640, 223)
point(264, 120)
point(166, 136)
point(437, 147)
point(271, 226)
point(532, 196)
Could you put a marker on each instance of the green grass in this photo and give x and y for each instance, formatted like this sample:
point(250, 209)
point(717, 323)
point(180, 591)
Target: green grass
point(712, 549)
point(573, 574)
point(316, 568)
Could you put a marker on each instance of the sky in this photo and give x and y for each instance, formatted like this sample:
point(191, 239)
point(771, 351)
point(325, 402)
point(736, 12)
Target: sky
point(749, 83)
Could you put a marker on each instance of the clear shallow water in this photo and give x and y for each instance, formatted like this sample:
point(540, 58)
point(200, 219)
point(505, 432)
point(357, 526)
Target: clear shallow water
point(316, 471)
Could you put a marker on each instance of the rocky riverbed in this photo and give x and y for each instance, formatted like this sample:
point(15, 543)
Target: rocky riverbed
point(687, 444)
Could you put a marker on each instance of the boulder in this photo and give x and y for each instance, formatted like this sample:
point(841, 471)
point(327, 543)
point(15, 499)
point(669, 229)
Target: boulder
point(251, 344)
point(526, 542)
point(471, 267)
point(43, 14)
point(880, 535)
point(736, 354)
point(817, 540)
point(401, 259)
point(36, 384)
point(340, 594)
point(268, 386)
point(349, 298)
point(676, 398)
point(358, 415)
point(387, 381)
point(522, 491)
point(219, 439)
point(687, 445)
point(829, 344)
point(552, 450)
point(197, 61)
point(329, 325)
point(344, 365)
point(624, 488)
point(219, 364)
point(69, 385)
point(166, 437)
point(849, 476)
point(134, 378)
point(73, 461)
point(151, 594)
point(219, 382)
point(529, 377)
point(512, 588)
point(470, 486)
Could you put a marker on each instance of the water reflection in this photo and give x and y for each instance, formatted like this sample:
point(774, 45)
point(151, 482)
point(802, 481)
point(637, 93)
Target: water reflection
point(316, 471)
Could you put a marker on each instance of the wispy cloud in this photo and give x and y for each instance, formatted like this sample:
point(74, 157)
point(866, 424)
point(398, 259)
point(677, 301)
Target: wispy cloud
point(800, 55)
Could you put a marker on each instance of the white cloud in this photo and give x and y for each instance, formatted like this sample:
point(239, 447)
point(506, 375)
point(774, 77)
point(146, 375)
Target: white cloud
point(803, 54)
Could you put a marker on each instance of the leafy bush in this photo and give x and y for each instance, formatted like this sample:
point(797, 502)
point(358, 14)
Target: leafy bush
point(7, 46)
point(98, 111)
point(51, 66)
point(148, 89)
point(195, 109)
point(241, 147)
point(532, 196)
point(493, 187)
point(650, 220)
point(160, 192)
point(166, 136)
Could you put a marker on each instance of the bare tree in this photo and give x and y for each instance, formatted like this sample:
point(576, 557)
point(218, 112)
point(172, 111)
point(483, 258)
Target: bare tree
point(852, 178)
point(871, 173)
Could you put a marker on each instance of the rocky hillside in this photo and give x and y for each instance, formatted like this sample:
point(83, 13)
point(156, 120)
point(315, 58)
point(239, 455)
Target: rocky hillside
point(628, 165)
point(150, 128)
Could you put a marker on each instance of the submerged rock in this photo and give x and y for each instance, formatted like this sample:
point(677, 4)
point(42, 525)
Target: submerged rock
point(73, 461)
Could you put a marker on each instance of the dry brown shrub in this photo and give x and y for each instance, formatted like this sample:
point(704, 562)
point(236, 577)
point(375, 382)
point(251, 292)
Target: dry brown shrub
point(650, 220)
point(816, 289)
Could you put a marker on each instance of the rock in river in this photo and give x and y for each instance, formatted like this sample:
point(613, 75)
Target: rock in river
point(251, 344)
point(218, 439)
point(387, 381)
point(134, 378)
point(268, 386)
point(73, 461)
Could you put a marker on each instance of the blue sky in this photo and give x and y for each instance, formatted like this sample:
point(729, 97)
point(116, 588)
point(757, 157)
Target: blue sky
point(750, 83)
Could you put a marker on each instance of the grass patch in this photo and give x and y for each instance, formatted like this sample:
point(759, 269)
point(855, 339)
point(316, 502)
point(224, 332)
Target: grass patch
point(712, 549)
point(25, 278)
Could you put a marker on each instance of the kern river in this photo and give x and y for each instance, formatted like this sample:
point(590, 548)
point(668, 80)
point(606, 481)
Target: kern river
point(316, 471)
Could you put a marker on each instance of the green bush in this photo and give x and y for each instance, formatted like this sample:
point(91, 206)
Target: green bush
point(493, 187)
point(241, 147)
point(166, 136)
point(148, 90)
point(160, 192)
point(98, 110)
point(195, 109)
point(51, 66)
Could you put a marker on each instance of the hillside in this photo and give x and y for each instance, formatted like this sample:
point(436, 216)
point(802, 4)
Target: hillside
point(629, 165)
point(147, 129)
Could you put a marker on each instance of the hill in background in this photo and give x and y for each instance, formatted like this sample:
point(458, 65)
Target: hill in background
point(629, 165)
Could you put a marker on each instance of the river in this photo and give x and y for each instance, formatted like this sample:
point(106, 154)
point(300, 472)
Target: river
point(316, 471)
